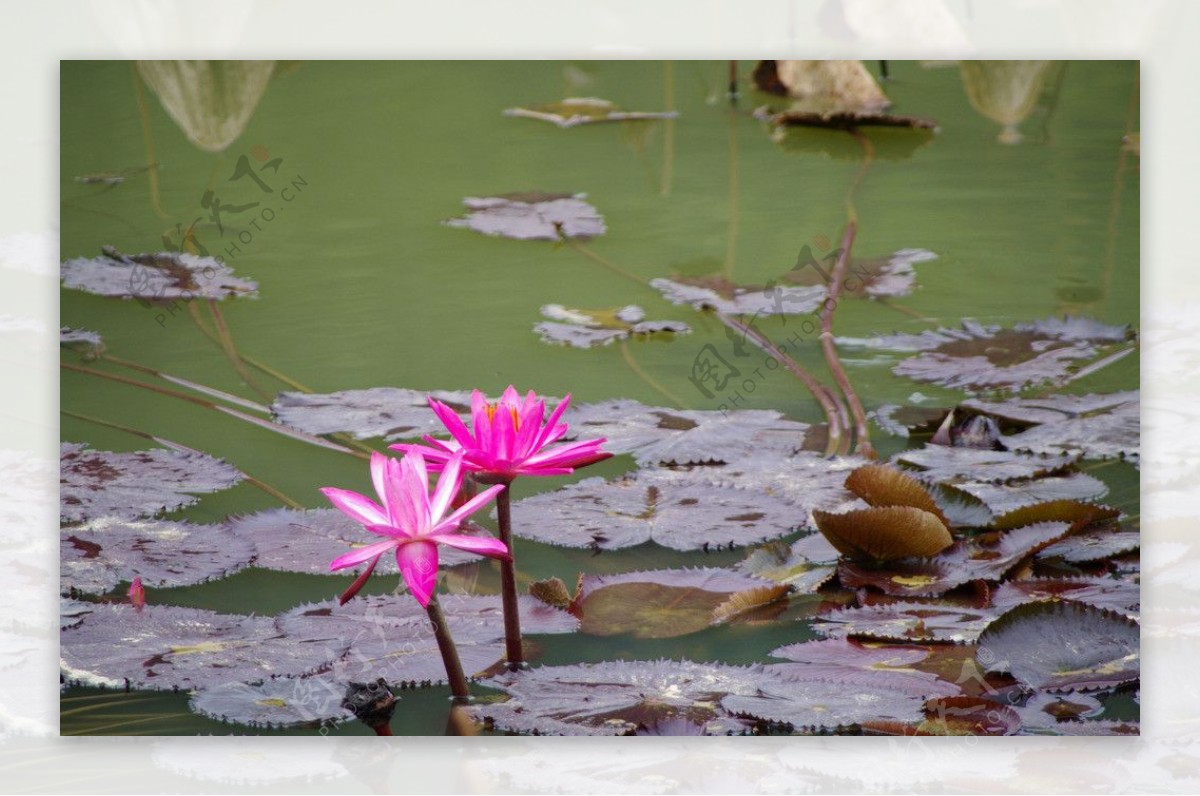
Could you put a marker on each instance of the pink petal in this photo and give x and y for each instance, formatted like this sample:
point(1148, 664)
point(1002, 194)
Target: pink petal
point(401, 512)
point(504, 430)
point(361, 554)
point(539, 470)
point(453, 423)
point(481, 424)
point(357, 507)
point(484, 545)
point(447, 487)
point(566, 455)
point(553, 420)
point(358, 583)
point(418, 562)
point(511, 397)
point(466, 510)
point(415, 483)
point(379, 474)
point(529, 431)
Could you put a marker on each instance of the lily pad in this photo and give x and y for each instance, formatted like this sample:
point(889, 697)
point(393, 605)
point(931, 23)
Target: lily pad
point(818, 705)
point(591, 328)
point(1098, 728)
point(162, 276)
point(1114, 433)
point(807, 480)
point(618, 697)
point(940, 464)
point(162, 647)
point(906, 622)
point(1062, 646)
point(968, 715)
point(389, 412)
point(390, 636)
point(98, 556)
point(1002, 499)
point(575, 111)
point(881, 486)
point(1095, 544)
point(884, 533)
point(532, 216)
point(279, 702)
point(717, 293)
point(987, 557)
point(876, 277)
point(1106, 593)
point(854, 664)
point(90, 344)
point(73, 612)
point(657, 506)
point(657, 604)
point(1079, 514)
point(138, 484)
point(1053, 408)
point(1048, 710)
point(788, 564)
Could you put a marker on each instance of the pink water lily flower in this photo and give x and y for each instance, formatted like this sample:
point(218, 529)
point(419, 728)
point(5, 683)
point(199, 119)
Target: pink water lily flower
point(412, 521)
point(509, 438)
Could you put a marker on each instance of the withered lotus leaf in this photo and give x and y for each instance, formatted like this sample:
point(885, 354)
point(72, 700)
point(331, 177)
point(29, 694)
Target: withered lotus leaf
point(881, 485)
point(968, 715)
point(757, 604)
point(551, 591)
point(884, 533)
point(532, 216)
point(1076, 512)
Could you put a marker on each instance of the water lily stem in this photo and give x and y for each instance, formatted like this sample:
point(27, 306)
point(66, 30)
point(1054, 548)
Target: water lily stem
point(731, 234)
point(596, 258)
point(148, 139)
point(818, 390)
point(454, 669)
point(627, 355)
point(508, 585)
point(231, 352)
point(668, 168)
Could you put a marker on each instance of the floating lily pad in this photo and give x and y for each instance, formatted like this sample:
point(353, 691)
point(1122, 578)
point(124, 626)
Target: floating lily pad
point(163, 276)
point(818, 705)
point(162, 647)
point(101, 554)
point(1062, 646)
point(280, 702)
point(940, 464)
point(853, 664)
point(1079, 514)
point(1098, 728)
point(532, 216)
point(986, 557)
point(756, 605)
point(1095, 544)
point(1053, 408)
point(389, 412)
point(719, 294)
point(1004, 498)
point(138, 484)
point(575, 111)
point(658, 604)
point(658, 506)
point(877, 277)
point(618, 697)
point(904, 421)
point(968, 715)
point(906, 622)
point(389, 636)
point(1107, 593)
point(1048, 710)
point(1106, 434)
point(90, 344)
point(73, 612)
point(885, 533)
point(291, 540)
point(591, 328)
point(788, 564)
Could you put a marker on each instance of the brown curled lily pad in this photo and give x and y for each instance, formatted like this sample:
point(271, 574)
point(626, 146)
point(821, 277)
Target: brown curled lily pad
point(161, 276)
point(882, 486)
point(1062, 646)
point(1076, 512)
point(906, 622)
point(575, 111)
point(968, 715)
point(532, 216)
point(884, 533)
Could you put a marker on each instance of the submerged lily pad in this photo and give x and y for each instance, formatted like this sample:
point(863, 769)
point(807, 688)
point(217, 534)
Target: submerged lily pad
point(279, 702)
point(659, 506)
point(163, 276)
point(98, 556)
point(532, 216)
point(138, 484)
point(906, 622)
point(162, 647)
point(940, 464)
point(1062, 646)
point(657, 604)
point(389, 412)
point(73, 612)
point(719, 294)
point(1107, 593)
point(618, 697)
point(1047, 710)
point(986, 557)
point(591, 328)
point(575, 111)
point(854, 664)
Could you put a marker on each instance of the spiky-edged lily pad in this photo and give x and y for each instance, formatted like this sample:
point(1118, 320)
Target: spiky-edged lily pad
point(906, 622)
point(657, 604)
point(819, 705)
point(138, 484)
point(1114, 433)
point(659, 506)
point(658, 435)
point(291, 540)
point(788, 564)
point(1107, 593)
point(279, 702)
point(717, 293)
point(884, 533)
point(1005, 498)
point(591, 328)
point(1053, 408)
point(575, 111)
point(875, 277)
point(986, 557)
point(101, 554)
point(1044, 709)
point(389, 412)
point(805, 479)
point(618, 697)
point(881, 486)
point(73, 612)
point(1094, 544)
point(1103, 727)
point(162, 276)
point(162, 647)
point(852, 664)
point(903, 421)
point(941, 464)
point(1062, 646)
point(389, 636)
point(90, 344)
point(532, 216)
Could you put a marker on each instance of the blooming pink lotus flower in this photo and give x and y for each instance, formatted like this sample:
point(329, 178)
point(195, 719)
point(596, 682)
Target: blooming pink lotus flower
point(511, 437)
point(412, 521)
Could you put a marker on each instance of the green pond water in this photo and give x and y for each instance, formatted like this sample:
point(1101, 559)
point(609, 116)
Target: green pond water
point(361, 284)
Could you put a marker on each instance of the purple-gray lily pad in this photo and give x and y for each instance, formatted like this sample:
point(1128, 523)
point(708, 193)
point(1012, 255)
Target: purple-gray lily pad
point(941, 464)
point(1051, 711)
point(819, 705)
point(1003, 498)
point(1062, 646)
point(891, 276)
point(90, 344)
point(162, 276)
point(99, 555)
point(906, 622)
point(389, 412)
point(591, 328)
point(73, 612)
point(532, 216)
point(137, 484)
point(724, 296)
point(618, 697)
point(574, 111)
point(1094, 544)
point(1103, 727)
point(1114, 433)
point(1107, 593)
point(788, 564)
point(278, 702)
point(1052, 408)
point(670, 509)
point(853, 664)
point(807, 480)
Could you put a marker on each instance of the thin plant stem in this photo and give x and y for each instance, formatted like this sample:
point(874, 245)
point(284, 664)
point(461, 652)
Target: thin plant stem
point(815, 387)
point(627, 355)
point(148, 138)
point(508, 584)
point(212, 392)
point(668, 169)
point(255, 482)
point(231, 350)
point(733, 82)
point(596, 258)
point(454, 669)
point(731, 235)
